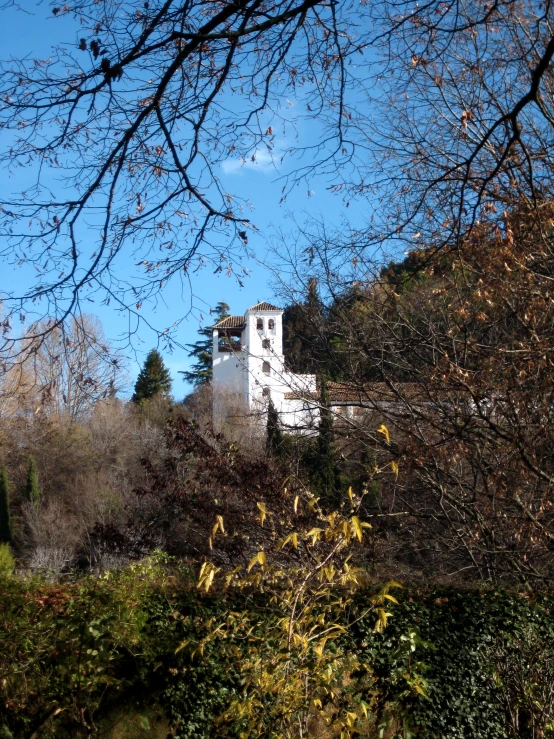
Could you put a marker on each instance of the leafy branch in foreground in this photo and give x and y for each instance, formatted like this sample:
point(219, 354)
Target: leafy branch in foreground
point(309, 578)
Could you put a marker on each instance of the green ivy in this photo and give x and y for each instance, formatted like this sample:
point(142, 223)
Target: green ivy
point(453, 634)
point(71, 652)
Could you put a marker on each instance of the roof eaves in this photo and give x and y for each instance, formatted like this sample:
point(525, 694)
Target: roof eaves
point(231, 322)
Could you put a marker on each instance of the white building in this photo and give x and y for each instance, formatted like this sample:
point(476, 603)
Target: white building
point(248, 363)
point(249, 370)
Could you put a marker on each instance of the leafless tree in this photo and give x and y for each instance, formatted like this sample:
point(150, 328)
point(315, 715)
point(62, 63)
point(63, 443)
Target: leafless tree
point(135, 116)
point(433, 113)
point(64, 372)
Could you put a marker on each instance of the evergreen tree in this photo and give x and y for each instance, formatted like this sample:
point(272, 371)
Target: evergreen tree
point(5, 521)
point(326, 472)
point(304, 333)
point(32, 491)
point(274, 435)
point(202, 350)
point(153, 378)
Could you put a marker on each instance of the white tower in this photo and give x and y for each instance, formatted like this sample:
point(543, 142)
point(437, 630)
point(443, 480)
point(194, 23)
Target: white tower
point(248, 362)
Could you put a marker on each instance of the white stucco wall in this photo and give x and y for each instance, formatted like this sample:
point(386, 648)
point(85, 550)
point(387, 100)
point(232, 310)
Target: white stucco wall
point(228, 370)
point(257, 379)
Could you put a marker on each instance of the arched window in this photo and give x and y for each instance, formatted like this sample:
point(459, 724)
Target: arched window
point(271, 324)
point(266, 369)
point(266, 344)
point(266, 392)
point(260, 324)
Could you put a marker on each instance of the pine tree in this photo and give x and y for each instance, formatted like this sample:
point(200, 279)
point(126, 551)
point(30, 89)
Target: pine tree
point(32, 491)
point(202, 350)
point(5, 521)
point(153, 378)
point(274, 438)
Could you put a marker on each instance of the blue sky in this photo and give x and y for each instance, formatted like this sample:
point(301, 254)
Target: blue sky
point(23, 34)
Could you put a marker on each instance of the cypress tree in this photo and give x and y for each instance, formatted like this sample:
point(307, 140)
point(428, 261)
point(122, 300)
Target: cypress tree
point(32, 490)
point(327, 472)
point(202, 350)
point(274, 435)
point(153, 378)
point(5, 521)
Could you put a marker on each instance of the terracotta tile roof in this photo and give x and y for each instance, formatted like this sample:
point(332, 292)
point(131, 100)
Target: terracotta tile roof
point(373, 392)
point(231, 322)
point(263, 306)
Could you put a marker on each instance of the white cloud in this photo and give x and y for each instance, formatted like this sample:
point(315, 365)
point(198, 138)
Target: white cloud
point(263, 161)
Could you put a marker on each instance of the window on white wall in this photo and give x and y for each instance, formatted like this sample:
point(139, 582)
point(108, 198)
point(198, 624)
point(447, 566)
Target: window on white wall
point(271, 324)
point(266, 344)
point(266, 392)
point(266, 369)
point(260, 324)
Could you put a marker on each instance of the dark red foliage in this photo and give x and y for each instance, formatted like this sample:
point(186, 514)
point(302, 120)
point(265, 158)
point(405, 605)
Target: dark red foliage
point(199, 477)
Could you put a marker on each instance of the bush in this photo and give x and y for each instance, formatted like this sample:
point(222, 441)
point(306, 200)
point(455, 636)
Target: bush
point(70, 652)
point(466, 645)
point(450, 664)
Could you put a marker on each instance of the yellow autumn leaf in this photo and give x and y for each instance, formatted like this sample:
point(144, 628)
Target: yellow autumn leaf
point(394, 467)
point(261, 508)
point(209, 580)
point(351, 718)
point(384, 430)
point(206, 576)
point(314, 534)
point(357, 526)
point(220, 522)
point(182, 645)
point(202, 570)
point(257, 559)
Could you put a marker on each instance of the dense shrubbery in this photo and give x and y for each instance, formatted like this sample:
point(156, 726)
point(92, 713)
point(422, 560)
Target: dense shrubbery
point(462, 642)
point(71, 652)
